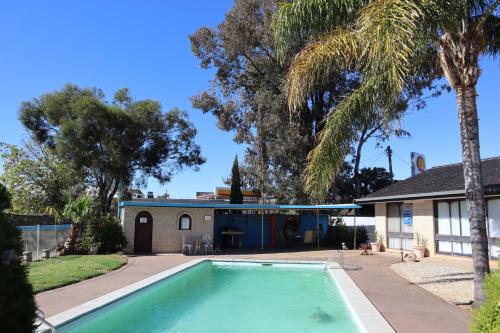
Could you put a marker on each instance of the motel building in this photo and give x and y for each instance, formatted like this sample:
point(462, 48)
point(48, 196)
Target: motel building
point(432, 204)
point(159, 225)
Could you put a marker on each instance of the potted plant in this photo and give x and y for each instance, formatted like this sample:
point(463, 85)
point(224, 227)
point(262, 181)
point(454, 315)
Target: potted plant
point(379, 242)
point(421, 246)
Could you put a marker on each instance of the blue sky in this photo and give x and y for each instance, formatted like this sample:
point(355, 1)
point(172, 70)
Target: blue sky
point(144, 46)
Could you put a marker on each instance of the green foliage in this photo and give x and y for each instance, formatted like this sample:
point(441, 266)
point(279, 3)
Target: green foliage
point(486, 318)
point(5, 198)
point(248, 97)
point(236, 196)
point(104, 232)
point(80, 210)
point(340, 233)
point(37, 178)
point(17, 304)
point(109, 143)
point(387, 43)
point(371, 180)
point(61, 271)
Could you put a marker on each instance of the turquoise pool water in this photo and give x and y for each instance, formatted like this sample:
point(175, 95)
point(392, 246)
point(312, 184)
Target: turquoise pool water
point(228, 298)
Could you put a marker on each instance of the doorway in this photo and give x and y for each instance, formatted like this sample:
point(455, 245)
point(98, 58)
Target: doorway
point(143, 235)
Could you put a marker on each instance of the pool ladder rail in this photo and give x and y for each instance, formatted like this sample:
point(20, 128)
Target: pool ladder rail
point(335, 254)
point(41, 317)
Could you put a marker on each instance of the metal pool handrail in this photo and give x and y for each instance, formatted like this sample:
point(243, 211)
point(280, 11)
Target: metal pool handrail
point(41, 316)
point(332, 256)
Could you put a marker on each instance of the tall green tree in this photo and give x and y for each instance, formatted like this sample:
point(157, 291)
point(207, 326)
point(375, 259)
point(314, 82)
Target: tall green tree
point(385, 40)
point(37, 178)
point(248, 96)
point(17, 303)
point(112, 143)
point(235, 196)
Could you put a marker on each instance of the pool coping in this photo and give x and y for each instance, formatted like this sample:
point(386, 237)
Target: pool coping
point(364, 312)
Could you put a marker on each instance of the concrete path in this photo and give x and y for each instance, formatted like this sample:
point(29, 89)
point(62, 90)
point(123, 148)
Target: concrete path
point(406, 306)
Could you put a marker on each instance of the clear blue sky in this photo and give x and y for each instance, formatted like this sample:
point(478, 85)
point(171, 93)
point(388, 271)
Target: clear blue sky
point(145, 46)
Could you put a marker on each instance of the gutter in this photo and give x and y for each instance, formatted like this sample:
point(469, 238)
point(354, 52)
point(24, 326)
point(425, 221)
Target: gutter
point(428, 195)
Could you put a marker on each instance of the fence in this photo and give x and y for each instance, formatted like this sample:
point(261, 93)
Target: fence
point(368, 222)
point(41, 237)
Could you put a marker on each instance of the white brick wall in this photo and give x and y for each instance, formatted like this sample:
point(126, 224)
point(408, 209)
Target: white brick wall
point(166, 234)
point(423, 223)
point(380, 220)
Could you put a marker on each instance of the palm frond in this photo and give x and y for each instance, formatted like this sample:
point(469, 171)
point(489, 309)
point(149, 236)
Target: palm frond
point(387, 28)
point(317, 62)
point(326, 159)
point(301, 19)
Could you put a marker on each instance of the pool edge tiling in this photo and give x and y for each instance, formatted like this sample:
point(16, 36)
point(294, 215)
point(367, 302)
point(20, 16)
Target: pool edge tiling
point(366, 316)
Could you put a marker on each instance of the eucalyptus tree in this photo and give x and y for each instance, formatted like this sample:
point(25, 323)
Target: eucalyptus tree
point(386, 41)
point(111, 143)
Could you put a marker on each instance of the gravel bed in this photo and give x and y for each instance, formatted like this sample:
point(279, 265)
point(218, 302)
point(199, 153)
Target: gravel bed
point(446, 280)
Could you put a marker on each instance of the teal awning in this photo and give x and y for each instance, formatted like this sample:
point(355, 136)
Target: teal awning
point(146, 203)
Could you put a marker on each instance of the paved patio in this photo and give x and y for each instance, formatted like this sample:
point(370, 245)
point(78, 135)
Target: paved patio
point(406, 306)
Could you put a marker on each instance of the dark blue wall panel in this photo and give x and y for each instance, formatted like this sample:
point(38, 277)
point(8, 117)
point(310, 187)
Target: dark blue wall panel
point(251, 226)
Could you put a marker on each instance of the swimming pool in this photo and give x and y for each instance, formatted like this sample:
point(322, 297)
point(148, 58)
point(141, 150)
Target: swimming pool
point(228, 296)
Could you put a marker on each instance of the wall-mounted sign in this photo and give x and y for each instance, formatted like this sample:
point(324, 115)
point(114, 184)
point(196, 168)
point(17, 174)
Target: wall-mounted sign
point(208, 218)
point(417, 163)
point(407, 217)
point(143, 220)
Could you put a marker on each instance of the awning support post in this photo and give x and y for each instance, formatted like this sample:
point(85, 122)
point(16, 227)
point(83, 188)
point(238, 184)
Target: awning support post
point(262, 230)
point(355, 229)
point(317, 226)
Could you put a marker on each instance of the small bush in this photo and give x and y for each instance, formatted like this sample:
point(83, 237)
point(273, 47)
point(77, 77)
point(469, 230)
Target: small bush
point(17, 305)
point(486, 318)
point(104, 232)
point(338, 234)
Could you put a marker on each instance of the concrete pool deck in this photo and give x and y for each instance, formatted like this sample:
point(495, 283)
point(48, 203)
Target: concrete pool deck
point(407, 307)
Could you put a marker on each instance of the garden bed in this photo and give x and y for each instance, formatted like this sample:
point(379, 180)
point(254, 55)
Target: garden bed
point(61, 271)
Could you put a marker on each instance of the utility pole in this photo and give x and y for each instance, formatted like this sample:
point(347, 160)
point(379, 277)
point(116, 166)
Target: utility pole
point(389, 156)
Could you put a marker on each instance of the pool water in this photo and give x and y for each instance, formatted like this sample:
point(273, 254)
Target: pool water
point(229, 298)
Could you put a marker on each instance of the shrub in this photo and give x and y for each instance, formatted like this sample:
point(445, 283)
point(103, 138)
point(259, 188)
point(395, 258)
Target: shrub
point(17, 304)
point(486, 318)
point(338, 234)
point(104, 232)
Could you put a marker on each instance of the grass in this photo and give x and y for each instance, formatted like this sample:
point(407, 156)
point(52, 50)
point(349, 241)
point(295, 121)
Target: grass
point(61, 271)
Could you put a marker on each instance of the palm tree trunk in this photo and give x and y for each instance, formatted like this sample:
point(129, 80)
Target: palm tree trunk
point(474, 193)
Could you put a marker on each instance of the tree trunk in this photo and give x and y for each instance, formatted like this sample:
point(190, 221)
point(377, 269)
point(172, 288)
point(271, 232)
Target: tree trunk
point(357, 161)
point(474, 193)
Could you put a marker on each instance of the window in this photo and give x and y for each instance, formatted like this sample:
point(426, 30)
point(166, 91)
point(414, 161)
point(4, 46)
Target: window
point(494, 225)
point(185, 222)
point(453, 230)
point(400, 226)
point(453, 233)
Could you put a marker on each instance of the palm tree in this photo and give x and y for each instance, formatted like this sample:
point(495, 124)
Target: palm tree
point(384, 41)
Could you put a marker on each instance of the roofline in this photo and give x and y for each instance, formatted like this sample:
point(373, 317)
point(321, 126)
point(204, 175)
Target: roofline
point(411, 196)
point(236, 206)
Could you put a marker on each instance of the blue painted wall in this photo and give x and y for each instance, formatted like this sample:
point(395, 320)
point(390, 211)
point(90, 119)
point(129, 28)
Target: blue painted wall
point(251, 226)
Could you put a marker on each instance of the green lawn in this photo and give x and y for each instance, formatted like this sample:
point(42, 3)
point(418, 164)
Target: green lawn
point(57, 272)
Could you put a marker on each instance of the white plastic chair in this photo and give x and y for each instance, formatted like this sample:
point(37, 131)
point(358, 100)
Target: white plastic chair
point(197, 246)
point(208, 245)
point(186, 245)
